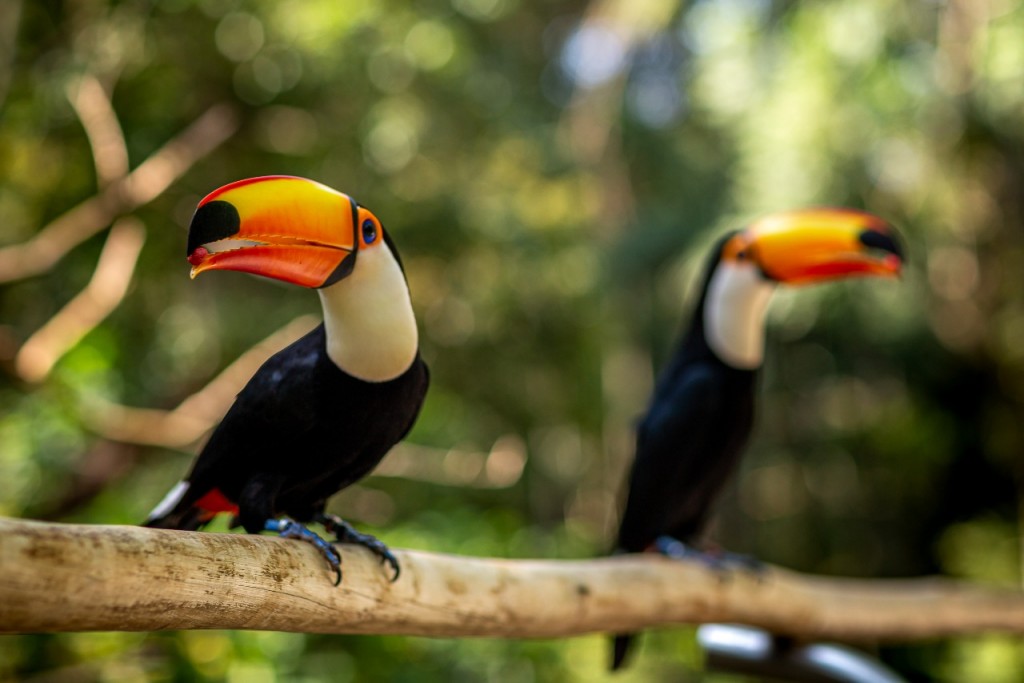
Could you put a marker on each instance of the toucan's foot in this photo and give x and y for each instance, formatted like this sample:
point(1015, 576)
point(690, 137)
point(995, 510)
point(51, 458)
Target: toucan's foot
point(345, 533)
point(717, 559)
point(288, 528)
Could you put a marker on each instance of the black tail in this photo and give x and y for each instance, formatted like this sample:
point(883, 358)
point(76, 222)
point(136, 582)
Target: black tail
point(187, 518)
point(621, 641)
point(178, 509)
point(620, 648)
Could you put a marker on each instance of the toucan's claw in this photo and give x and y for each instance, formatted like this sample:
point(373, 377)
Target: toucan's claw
point(287, 528)
point(717, 560)
point(345, 533)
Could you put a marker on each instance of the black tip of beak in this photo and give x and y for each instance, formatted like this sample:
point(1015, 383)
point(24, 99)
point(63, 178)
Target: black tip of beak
point(883, 241)
point(216, 220)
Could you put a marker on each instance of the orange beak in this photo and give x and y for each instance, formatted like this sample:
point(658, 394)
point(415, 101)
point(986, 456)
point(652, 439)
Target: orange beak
point(282, 227)
point(814, 245)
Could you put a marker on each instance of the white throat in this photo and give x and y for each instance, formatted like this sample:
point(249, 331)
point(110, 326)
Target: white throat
point(371, 329)
point(734, 312)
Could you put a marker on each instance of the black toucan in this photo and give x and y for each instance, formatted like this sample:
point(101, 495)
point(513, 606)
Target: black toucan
point(702, 410)
point(320, 414)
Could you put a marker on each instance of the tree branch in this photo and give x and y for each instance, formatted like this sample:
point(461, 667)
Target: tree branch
point(60, 577)
point(499, 468)
point(84, 312)
point(102, 128)
point(121, 196)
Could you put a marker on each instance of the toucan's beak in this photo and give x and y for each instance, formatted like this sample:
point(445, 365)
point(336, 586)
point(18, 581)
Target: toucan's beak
point(282, 227)
point(822, 244)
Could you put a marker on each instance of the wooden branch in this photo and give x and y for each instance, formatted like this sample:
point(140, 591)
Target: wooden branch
point(121, 196)
point(59, 577)
point(84, 312)
point(102, 128)
point(499, 468)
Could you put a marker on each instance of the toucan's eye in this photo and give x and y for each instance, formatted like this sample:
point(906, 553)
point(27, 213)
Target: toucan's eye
point(369, 231)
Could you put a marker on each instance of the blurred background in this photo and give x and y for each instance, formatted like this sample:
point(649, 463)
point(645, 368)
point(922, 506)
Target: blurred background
point(552, 172)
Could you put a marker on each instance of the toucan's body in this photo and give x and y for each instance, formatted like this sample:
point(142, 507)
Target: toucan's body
point(702, 410)
point(320, 414)
point(709, 406)
point(294, 438)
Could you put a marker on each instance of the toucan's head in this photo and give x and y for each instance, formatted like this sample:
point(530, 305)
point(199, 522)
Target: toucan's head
point(799, 247)
point(814, 245)
point(282, 227)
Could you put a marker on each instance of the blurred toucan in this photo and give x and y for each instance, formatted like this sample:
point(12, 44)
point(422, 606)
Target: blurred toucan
point(702, 410)
point(320, 414)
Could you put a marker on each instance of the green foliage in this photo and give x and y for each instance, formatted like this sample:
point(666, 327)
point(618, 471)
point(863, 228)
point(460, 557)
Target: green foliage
point(551, 196)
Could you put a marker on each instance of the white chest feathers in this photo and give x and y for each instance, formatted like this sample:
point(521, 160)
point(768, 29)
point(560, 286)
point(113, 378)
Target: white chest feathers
point(371, 329)
point(734, 313)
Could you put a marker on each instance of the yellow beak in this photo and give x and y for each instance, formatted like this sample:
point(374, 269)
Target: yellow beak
point(282, 227)
point(808, 246)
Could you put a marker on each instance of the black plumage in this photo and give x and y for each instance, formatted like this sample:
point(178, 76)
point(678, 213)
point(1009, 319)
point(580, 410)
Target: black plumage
point(301, 430)
point(690, 439)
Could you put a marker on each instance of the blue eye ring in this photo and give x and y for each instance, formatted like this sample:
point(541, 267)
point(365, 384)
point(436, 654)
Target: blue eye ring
point(369, 231)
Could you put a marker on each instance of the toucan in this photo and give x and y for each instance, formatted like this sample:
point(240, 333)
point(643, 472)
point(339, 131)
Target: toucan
point(321, 413)
point(701, 413)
